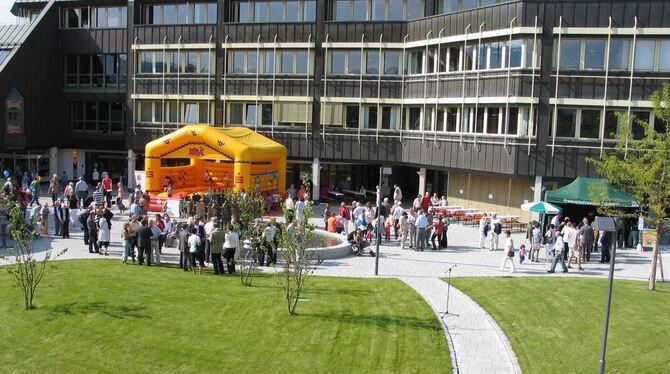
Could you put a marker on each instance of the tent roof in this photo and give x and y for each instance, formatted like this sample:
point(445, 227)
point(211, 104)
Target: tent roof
point(579, 193)
point(202, 141)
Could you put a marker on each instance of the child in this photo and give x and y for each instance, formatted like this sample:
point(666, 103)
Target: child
point(522, 253)
point(387, 228)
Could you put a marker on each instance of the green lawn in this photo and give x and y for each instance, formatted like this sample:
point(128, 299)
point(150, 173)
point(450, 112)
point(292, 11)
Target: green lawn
point(101, 316)
point(555, 324)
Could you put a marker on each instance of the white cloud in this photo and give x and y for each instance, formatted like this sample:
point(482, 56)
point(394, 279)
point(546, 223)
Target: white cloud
point(5, 15)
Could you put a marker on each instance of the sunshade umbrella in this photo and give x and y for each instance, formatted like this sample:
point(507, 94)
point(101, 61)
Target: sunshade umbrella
point(541, 207)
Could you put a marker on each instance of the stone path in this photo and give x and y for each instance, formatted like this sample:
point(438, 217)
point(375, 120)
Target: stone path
point(476, 342)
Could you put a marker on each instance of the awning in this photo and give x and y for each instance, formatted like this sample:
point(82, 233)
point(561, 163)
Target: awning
point(583, 191)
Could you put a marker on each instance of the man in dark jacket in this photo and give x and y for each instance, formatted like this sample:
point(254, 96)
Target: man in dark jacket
point(184, 256)
point(92, 233)
point(144, 242)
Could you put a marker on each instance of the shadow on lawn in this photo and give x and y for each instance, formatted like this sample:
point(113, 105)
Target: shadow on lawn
point(384, 322)
point(100, 307)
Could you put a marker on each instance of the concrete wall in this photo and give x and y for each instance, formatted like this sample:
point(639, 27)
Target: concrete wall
point(490, 193)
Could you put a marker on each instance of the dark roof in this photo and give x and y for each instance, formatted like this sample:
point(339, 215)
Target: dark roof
point(27, 3)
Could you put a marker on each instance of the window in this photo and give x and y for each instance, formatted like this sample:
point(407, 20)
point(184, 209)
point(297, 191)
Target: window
point(468, 4)
point(360, 8)
point(287, 62)
point(636, 128)
point(452, 119)
point(252, 111)
point(391, 62)
point(414, 9)
point(378, 10)
point(589, 127)
point(492, 118)
point(660, 126)
point(396, 10)
point(342, 10)
point(292, 11)
point(370, 118)
point(440, 120)
point(619, 54)
point(277, 11)
point(189, 113)
point(389, 118)
point(309, 11)
point(611, 124)
point(235, 114)
point(266, 114)
point(469, 57)
point(337, 62)
point(428, 118)
point(514, 51)
point(181, 14)
point(100, 70)
point(570, 53)
point(268, 65)
point(448, 6)
point(351, 116)
point(454, 56)
point(100, 117)
point(594, 54)
point(481, 57)
point(354, 62)
point(664, 56)
point(372, 62)
point(479, 120)
point(496, 55)
point(415, 64)
point(414, 119)
point(566, 120)
point(260, 11)
point(242, 13)
point(100, 17)
point(513, 121)
point(301, 62)
point(237, 63)
point(644, 54)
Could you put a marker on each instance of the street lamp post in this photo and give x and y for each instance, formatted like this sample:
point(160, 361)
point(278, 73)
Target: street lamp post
point(607, 224)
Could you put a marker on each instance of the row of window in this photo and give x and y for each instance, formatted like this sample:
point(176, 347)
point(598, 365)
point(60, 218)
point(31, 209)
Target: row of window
point(591, 54)
point(97, 117)
point(192, 62)
point(586, 123)
point(180, 14)
point(265, 114)
point(448, 6)
point(377, 10)
point(266, 62)
point(94, 17)
point(174, 112)
point(98, 70)
point(246, 11)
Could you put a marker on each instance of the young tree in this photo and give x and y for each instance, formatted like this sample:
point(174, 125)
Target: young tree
point(25, 268)
point(297, 262)
point(640, 166)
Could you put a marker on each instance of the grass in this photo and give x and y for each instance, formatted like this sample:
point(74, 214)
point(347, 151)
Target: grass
point(101, 316)
point(555, 324)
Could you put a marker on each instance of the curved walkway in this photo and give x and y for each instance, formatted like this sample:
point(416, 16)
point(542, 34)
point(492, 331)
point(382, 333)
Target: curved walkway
point(476, 342)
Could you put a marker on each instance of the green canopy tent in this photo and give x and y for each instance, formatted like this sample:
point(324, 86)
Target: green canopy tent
point(582, 190)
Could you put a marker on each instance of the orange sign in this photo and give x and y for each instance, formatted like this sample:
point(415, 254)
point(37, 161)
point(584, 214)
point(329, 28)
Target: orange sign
point(196, 152)
point(149, 174)
point(239, 179)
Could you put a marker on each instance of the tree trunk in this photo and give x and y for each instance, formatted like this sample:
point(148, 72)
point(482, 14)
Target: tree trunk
point(654, 262)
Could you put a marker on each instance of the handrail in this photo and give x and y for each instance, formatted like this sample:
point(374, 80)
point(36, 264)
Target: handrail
point(607, 72)
point(507, 93)
point(424, 63)
point(463, 68)
point(630, 87)
point(531, 116)
point(558, 70)
point(437, 84)
point(479, 47)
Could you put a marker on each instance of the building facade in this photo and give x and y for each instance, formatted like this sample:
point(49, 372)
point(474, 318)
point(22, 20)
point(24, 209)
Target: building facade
point(488, 102)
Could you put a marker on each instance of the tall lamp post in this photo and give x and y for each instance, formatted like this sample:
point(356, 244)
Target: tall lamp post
point(606, 224)
point(380, 218)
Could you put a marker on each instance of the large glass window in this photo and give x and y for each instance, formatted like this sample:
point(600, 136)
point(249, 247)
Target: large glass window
point(481, 57)
point(354, 62)
point(102, 117)
point(644, 55)
point(102, 17)
point(570, 53)
point(492, 118)
point(396, 10)
point(664, 56)
point(378, 10)
point(414, 119)
point(287, 62)
point(389, 118)
point(342, 10)
point(566, 123)
point(469, 57)
point(414, 9)
point(293, 11)
point(351, 116)
point(309, 11)
point(260, 11)
point(513, 121)
point(515, 52)
point(277, 11)
point(101, 69)
point(594, 54)
point(337, 62)
point(611, 124)
point(452, 119)
point(268, 62)
point(372, 62)
point(360, 8)
point(496, 55)
point(589, 127)
point(301, 62)
point(391, 62)
point(619, 54)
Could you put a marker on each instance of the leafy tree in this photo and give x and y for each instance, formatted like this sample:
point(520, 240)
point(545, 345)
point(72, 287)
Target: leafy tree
point(297, 263)
point(25, 268)
point(640, 166)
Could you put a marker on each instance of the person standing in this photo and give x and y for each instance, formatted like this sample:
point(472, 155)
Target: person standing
point(96, 176)
point(92, 233)
point(81, 189)
point(267, 242)
point(605, 243)
point(558, 254)
point(586, 231)
point(144, 242)
point(134, 226)
point(119, 197)
point(326, 215)
point(495, 230)
point(438, 228)
point(345, 216)
point(107, 189)
point(404, 230)
point(54, 188)
point(571, 235)
point(216, 239)
point(231, 247)
point(65, 221)
point(397, 197)
point(58, 214)
point(155, 242)
point(483, 230)
point(184, 254)
point(127, 242)
point(68, 192)
point(426, 202)
point(193, 244)
point(98, 196)
point(421, 224)
point(104, 227)
point(535, 242)
point(209, 227)
point(508, 255)
point(397, 215)
point(549, 241)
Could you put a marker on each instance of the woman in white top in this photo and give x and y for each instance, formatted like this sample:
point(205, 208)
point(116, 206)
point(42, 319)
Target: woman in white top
point(103, 235)
point(193, 244)
point(231, 248)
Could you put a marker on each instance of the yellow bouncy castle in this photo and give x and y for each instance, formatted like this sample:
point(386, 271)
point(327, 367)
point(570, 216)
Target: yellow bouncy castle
point(200, 157)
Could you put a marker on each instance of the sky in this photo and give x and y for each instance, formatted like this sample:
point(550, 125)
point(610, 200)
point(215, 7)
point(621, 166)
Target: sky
point(5, 16)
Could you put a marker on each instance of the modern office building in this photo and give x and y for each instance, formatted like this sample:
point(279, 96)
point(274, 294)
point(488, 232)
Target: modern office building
point(488, 102)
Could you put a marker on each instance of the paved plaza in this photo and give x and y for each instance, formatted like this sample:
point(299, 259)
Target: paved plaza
point(476, 342)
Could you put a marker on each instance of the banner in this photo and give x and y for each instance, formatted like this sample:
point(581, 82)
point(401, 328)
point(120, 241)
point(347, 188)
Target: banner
point(139, 178)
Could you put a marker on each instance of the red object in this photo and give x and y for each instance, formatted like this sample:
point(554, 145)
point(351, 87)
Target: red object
point(197, 152)
point(425, 203)
point(239, 179)
point(344, 213)
point(107, 183)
